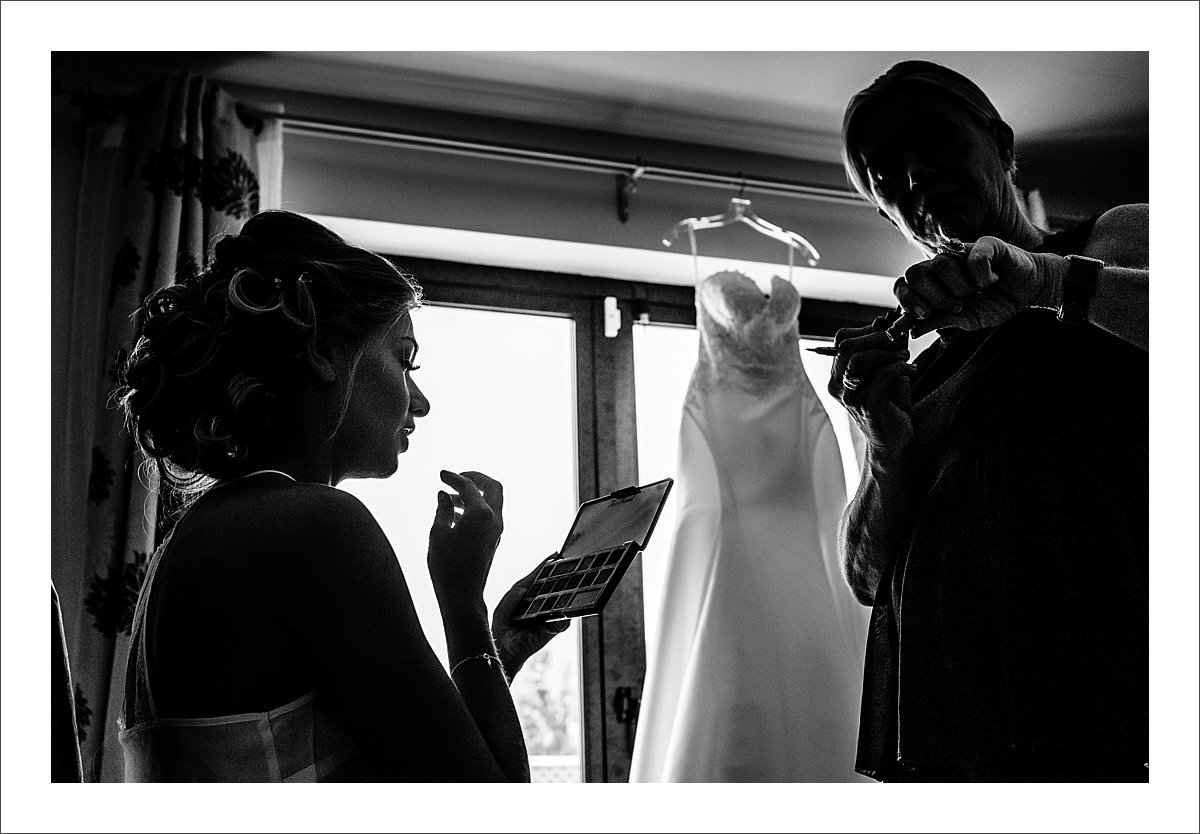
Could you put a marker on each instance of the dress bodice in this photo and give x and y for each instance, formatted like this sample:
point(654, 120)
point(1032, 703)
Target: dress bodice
point(748, 338)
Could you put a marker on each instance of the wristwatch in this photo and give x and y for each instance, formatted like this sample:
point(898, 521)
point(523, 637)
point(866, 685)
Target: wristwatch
point(1078, 288)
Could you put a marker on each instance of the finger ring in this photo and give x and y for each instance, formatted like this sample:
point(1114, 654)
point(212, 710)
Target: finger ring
point(850, 382)
point(953, 247)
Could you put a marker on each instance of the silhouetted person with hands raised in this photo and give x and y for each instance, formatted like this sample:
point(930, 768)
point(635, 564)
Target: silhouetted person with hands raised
point(1000, 531)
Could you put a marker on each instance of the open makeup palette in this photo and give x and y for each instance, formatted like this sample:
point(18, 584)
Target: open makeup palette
point(608, 532)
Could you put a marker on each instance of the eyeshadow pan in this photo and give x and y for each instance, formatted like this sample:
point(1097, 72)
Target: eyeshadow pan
point(584, 598)
point(564, 567)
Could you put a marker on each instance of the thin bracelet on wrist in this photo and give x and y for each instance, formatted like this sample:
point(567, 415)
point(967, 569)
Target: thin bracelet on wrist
point(487, 657)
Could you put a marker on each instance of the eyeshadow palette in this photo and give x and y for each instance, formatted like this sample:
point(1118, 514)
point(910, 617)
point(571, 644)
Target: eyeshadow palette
point(608, 532)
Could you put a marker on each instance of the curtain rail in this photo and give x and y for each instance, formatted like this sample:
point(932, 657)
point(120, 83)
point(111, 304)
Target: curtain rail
point(631, 172)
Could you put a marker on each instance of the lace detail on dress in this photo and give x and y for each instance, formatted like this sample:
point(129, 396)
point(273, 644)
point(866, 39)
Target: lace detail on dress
point(748, 340)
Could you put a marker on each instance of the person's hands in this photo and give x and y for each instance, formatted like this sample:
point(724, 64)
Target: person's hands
point(870, 377)
point(987, 286)
point(516, 643)
point(461, 547)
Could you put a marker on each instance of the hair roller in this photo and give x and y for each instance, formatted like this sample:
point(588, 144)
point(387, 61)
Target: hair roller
point(215, 295)
point(252, 294)
point(297, 305)
point(167, 300)
point(249, 402)
point(184, 341)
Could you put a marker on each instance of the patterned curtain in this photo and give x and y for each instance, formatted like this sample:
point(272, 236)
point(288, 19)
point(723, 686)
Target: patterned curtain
point(164, 176)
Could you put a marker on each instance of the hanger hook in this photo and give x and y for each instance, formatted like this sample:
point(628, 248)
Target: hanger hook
point(742, 186)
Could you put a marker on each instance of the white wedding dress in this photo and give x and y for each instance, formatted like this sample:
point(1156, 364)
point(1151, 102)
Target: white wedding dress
point(756, 675)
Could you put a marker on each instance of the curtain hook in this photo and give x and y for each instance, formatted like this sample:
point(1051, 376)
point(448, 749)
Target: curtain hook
point(626, 186)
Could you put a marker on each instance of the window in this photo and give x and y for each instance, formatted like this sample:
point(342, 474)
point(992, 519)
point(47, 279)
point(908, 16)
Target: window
point(499, 385)
point(523, 341)
point(610, 647)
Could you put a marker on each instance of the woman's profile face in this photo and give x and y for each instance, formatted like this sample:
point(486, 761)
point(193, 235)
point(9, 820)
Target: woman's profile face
point(933, 170)
point(384, 404)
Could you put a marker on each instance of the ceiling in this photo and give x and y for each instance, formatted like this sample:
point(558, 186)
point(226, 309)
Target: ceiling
point(1081, 119)
point(780, 103)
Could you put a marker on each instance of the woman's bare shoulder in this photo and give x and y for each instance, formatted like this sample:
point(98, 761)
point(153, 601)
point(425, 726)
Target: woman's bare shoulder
point(314, 502)
point(324, 516)
point(296, 522)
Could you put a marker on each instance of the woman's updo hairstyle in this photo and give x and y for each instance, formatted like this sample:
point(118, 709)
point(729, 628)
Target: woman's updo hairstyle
point(222, 353)
point(904, 75)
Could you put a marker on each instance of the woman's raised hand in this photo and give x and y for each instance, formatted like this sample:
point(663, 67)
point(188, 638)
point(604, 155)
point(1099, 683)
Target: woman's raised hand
point(516, 643)
point(461, 546)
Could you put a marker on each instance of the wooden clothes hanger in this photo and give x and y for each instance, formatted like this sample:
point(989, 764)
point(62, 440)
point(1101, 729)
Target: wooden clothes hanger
point(740, 211)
